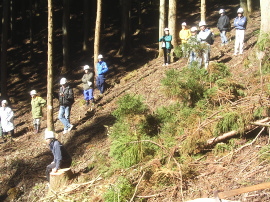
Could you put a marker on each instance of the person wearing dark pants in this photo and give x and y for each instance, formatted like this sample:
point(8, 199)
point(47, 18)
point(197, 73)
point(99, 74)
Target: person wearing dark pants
point(61, 158)
point(166, 46)
point(102, 69)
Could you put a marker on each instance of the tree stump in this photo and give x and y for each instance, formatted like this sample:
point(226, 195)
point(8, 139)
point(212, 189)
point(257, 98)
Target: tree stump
point(60, 178)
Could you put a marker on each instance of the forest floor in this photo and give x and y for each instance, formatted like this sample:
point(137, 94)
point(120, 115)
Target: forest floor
point(23, 160)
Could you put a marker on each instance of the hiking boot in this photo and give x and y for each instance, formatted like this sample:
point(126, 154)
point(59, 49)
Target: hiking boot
point(87, 102)
point(70, 127)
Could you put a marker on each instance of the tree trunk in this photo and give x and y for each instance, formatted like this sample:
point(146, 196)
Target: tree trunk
point(125, 27)
point(31, 28)
point(243, 4)
point(50, 124)
point(4, 50)
point(162, 6)
point(86, 25)
point(250, 6)
point(172, 22)
point(265, 18)
point(203, 10)
point(97, 32)
point(65, 31)
point(60, 179)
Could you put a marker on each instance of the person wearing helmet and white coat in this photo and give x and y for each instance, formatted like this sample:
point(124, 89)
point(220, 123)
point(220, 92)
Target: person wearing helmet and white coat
point(102, 69)
point(66, 99)
point(61, 158)
point(36, 103)
point(205, 36)
point(6, 116)
point(223, 25)
point(192, 43)
point(240, 23)
point(166, 46)
point(88, 83)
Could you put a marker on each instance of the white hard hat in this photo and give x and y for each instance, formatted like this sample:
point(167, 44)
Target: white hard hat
point(166, 29)
point(4, 102)
point(184, 24)
point(85, 67)
point(63, 81)
point(202, 23)
point(221, 11)
point(193, 29)
point(100, 56)
point(49, 134)
point(240, 10)
point(33, 92)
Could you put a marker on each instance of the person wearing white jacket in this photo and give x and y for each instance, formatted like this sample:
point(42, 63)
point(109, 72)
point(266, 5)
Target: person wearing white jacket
point(6, 116)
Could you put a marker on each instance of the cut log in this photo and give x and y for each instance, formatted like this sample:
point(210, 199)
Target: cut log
point(60, 178)
point(234, 132)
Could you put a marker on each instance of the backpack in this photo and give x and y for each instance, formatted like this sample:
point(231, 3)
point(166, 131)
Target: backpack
point(210, 38)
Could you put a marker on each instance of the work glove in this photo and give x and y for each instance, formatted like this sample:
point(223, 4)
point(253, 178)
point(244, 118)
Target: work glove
point(89, 83)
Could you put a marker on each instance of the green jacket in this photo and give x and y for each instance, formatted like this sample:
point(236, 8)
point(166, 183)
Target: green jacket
point(37, 103)
point(167, 39)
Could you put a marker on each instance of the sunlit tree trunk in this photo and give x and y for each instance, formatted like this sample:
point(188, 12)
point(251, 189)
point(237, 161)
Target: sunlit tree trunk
point(65, 30)
point(265, 17)
point(250, 6)
point(4, 49)
point(161, 23)
point(50, 124)
point(243, 4)
point(86, 25)
point(97, 31)
point(203, 10)
point(172, 20)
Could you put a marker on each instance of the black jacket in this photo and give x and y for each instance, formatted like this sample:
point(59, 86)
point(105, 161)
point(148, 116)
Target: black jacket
point(223, 23)
point(66, 96)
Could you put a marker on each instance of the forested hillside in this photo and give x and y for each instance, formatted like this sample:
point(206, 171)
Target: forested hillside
point(158, 133)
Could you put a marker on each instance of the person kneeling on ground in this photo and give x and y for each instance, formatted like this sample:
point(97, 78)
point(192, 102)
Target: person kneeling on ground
point(61, 158)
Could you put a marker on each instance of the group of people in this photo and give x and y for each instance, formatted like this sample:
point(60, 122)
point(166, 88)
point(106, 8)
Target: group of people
point(191, 38)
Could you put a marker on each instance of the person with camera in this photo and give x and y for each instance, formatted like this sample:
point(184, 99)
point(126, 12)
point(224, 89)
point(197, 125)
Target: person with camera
point(166, 46)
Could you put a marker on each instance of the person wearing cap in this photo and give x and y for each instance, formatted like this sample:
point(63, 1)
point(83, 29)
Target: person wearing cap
point(204, 36)
point(240, 23)
point(193, 42)
point(61, 158)
point(7, 122)
point(88, 83)
point(185, 33)
point(102, 69)
point(66, 99)
point(166, 46)
point(223, 25)
point(36, 103)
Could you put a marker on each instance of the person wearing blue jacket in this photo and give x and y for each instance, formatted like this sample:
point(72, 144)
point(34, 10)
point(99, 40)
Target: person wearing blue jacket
point(61, 158)
point(102, 69)
point(240, 23)
point(166, 46)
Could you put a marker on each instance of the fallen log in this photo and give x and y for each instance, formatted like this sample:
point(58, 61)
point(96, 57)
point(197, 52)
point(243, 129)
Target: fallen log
point(235, 132)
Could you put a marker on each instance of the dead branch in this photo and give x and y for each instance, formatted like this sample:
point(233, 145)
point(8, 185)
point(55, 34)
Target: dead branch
point(132, 198)
point(233, 133)
point(150, 196)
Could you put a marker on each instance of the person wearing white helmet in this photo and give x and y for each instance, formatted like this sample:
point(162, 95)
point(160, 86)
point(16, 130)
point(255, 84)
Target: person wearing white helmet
point(61, 158)
point(88, 85)
point(240, 23)
point(7, 122)
point(66, 99)
point(185, 33)
point(193, 42)
point(205, 36)
point(223, 25)
point(166, 46)
point(102, 70)
point(36, 104)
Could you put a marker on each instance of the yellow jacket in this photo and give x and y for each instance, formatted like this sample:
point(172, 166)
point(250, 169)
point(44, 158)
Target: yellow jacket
point(184, 35)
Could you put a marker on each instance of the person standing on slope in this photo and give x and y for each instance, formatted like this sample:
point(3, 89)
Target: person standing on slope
point(240, 23)
point(88, 83)
point(7, 122)
point(66, 99)
point(102, 69)
point(166, 46)
point(223, 25)
point(36, 103)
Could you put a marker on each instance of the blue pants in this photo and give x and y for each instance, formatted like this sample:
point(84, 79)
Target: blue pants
point(88, 94)
point(101, 83)
point(223, 37)
point(192, 58)
point(63, 116)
